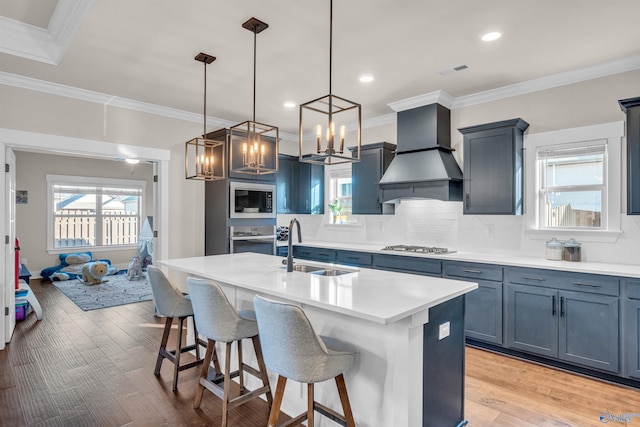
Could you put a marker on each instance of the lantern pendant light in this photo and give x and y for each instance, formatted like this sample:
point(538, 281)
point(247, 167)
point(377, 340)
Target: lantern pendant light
point(329, 124)
point(253, 145)
point(204, 158)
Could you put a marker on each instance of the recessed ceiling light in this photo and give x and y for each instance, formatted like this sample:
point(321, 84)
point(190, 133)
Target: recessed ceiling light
point(366, 78)
point(289, 104)
point(489, 37)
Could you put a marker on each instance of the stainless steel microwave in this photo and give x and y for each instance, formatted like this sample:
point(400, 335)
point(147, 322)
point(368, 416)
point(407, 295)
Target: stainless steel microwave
point(252, 200)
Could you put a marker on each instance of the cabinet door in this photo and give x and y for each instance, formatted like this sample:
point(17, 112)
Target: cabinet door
point(285, 185)
point(365, 177)
point(483, 312)
point(488, 172)
point(632, 338)
point(632, 107)
point(588, 330)
point(310, 188)
point(531, 322)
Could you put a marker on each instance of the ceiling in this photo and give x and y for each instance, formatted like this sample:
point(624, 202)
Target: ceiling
point(144, 50)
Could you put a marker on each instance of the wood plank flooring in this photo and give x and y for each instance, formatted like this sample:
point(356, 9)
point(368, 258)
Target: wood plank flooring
point(95, 368)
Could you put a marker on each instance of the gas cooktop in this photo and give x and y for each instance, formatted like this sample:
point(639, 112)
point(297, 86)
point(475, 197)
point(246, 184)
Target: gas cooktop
point(418, 249)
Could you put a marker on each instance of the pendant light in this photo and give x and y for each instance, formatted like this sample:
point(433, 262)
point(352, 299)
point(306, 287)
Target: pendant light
point(330, 124)
point(253, 145)
point(204, 158)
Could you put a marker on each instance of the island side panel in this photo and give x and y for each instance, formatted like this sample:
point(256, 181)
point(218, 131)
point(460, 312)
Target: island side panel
point(443, 369)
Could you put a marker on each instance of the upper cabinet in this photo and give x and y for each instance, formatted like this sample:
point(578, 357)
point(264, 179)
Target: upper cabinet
point(493, 174)
point(365, 174)
point(631, 106)
point(299, 187)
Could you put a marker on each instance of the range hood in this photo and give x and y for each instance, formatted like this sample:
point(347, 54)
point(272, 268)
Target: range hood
point(424, 166)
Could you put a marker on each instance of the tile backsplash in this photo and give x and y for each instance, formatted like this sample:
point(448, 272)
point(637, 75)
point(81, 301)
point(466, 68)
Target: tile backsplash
point(438, 223)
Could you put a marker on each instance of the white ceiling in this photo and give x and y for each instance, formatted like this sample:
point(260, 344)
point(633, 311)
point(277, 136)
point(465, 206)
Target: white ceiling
point(143, 50)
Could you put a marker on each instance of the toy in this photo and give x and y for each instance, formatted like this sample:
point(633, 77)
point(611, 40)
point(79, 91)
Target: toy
point(93, 272)
point(135, 268)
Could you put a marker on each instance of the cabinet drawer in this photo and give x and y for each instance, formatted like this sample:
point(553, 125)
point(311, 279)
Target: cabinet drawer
point(362, 259)
point(282, 250)
point(314, 254)
point(408, 264)
point(633, 288)
point(582, 282)
point(473, 271)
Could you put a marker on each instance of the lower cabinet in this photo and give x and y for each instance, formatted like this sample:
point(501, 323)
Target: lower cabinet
point(576, 327)
point(631, 322)
point(483, 306)
point(408, 264)
point(314, 254)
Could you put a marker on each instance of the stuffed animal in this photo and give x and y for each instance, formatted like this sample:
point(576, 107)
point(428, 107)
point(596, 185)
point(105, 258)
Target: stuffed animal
point(93, 272)
point(135, 268)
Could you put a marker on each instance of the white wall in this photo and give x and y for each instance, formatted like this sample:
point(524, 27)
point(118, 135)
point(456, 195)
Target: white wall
point(437, 223)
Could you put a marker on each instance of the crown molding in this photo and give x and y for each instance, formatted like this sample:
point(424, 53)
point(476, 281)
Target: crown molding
point(549, 82)
point(379, 121)
point(438, 97)
point(38, 44)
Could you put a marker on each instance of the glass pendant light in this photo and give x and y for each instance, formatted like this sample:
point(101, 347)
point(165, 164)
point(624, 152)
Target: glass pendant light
point(330, 124)
point(253, 145)
point(204, 158)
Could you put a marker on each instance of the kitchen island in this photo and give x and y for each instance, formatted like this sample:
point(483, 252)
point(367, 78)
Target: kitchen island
point(408, 330)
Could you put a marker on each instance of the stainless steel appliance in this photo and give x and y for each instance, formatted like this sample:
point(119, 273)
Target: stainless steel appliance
point(252, 200)
point(260, 239)
point(434, 250)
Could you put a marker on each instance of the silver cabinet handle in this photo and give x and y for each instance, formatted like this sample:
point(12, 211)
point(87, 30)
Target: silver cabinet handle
point(537, 279)
point(473, 271)
point(592, 285)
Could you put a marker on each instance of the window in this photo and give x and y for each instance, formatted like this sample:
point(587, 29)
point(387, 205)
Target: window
point(573, 188)
point(340, 196)
point(573, 182)
point(93, 212)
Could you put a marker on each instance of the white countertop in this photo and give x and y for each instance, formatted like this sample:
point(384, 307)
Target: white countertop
point(374, 295)
point(624, 270)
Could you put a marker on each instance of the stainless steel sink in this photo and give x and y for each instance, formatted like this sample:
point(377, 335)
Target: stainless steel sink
point(319, 270)
point(303, 268)
point(330, 272)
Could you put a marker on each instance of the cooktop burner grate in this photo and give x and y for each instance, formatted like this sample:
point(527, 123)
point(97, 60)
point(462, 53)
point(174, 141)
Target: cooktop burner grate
point(418, 249)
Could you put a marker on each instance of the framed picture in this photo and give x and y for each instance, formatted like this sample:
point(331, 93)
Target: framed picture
point(22, 197)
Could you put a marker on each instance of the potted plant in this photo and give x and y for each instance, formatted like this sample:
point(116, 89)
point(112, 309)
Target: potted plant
point(335, 209)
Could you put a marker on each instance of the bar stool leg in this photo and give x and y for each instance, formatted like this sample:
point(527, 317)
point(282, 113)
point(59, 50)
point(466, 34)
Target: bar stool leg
point(310, 401)
point(277, 401)
point(176, 366)
point(163, 344)
point(240, 371)
point(263, 368)
point(344, 399)
point(210, 353)
point(227, 385)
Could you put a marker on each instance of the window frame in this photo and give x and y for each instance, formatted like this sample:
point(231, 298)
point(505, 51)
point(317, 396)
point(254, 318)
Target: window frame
point(341, 169)
point(55, 180)
point(609, 133)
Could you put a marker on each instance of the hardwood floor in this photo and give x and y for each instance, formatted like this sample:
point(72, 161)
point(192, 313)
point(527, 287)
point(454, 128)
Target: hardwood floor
point(95, 368)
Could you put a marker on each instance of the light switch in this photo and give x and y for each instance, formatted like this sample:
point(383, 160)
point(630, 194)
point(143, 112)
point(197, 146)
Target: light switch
point(444, 330)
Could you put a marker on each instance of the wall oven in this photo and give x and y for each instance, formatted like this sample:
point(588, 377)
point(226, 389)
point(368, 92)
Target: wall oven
point(252, 200)
point(260, 239)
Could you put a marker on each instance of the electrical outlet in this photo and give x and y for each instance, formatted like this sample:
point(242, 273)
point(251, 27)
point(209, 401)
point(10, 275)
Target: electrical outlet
point(444, 330)
point(24, 261)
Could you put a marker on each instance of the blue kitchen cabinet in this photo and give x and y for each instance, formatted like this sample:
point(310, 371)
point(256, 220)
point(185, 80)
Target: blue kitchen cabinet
point(365, 174)
point(354, 258)
point(408, 264)
point(483, 315)
point(282, 250)
point(631, 107)
point(631, 322)
point(314, 254)
point(493, 168)
point(573, 317)
point(300, 187)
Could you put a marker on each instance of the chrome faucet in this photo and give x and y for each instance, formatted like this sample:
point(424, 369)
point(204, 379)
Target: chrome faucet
point(290, 251)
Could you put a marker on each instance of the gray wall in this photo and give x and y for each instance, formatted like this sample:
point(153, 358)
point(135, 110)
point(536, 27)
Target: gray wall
point(31, 222)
